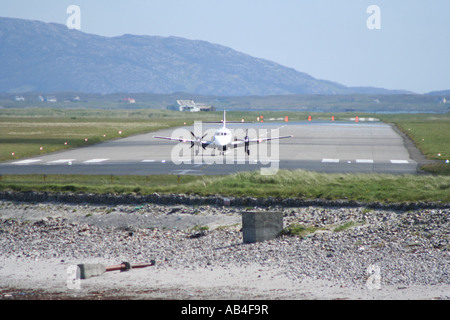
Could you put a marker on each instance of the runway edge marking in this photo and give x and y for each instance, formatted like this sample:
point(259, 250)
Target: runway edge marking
point(95, 161)
point(29, 161)
point(399, 161)
point(364, 161)
point(330, 160)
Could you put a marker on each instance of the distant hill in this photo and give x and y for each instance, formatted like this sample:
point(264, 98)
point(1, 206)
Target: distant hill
point(440, 93)
point(48, 57)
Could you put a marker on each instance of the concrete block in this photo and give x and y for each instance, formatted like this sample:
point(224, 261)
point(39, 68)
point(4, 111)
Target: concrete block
point(261, 226)
point(91, 270)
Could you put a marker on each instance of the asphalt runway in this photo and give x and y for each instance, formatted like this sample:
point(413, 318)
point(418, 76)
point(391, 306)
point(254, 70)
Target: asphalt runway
point(334, 147)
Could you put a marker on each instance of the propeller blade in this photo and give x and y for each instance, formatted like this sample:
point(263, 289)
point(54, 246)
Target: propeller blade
point(246, 143)
point(197, 138)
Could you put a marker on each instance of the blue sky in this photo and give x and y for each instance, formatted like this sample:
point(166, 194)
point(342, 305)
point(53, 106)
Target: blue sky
point(327, 39)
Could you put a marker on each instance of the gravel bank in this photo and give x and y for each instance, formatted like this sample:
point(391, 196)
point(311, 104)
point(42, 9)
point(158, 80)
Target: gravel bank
point(199, 254)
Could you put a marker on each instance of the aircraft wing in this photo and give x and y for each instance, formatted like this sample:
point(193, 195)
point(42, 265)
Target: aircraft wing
point(237, 143)
point(268, 139)
point(246, 142)
point(176, 139)
point(191, 141)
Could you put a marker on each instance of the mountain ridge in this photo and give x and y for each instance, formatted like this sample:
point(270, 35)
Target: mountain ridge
point(48, 57)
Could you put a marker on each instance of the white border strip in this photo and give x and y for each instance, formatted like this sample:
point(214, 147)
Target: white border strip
point(61, 161)
point(364, 161)
point(29, 161)
point(330, 160)
point(95, 160)
point(399, 161)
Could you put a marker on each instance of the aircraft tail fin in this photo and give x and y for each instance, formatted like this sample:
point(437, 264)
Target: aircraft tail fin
point(224, 118)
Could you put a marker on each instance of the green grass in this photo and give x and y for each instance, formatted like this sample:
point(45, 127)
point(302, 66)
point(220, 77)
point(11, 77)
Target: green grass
point(431, 135)
point(286, 184)
point(99, 184)
point(345, 226)
point(299, 230)
point(311, 185)
point(31, 132)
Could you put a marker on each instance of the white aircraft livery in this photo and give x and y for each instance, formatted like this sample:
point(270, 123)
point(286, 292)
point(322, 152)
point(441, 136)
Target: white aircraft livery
point(222, 140)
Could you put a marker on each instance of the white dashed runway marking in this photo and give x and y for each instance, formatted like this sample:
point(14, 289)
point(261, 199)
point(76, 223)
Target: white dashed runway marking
point(399, 161)
point(330, 160)
point(29, 161)
point(61, 161)
point(364, 161)
point(98, 161)
point(95, 161)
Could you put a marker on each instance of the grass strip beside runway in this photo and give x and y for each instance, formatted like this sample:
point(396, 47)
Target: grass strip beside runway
point(286, 184)
point(431, 135)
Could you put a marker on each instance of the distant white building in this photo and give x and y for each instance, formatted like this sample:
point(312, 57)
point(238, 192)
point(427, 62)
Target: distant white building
point(51, 99)
point(188, 105)
point(192, 106)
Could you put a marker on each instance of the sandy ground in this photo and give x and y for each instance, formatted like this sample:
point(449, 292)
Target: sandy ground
point(51, 279)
